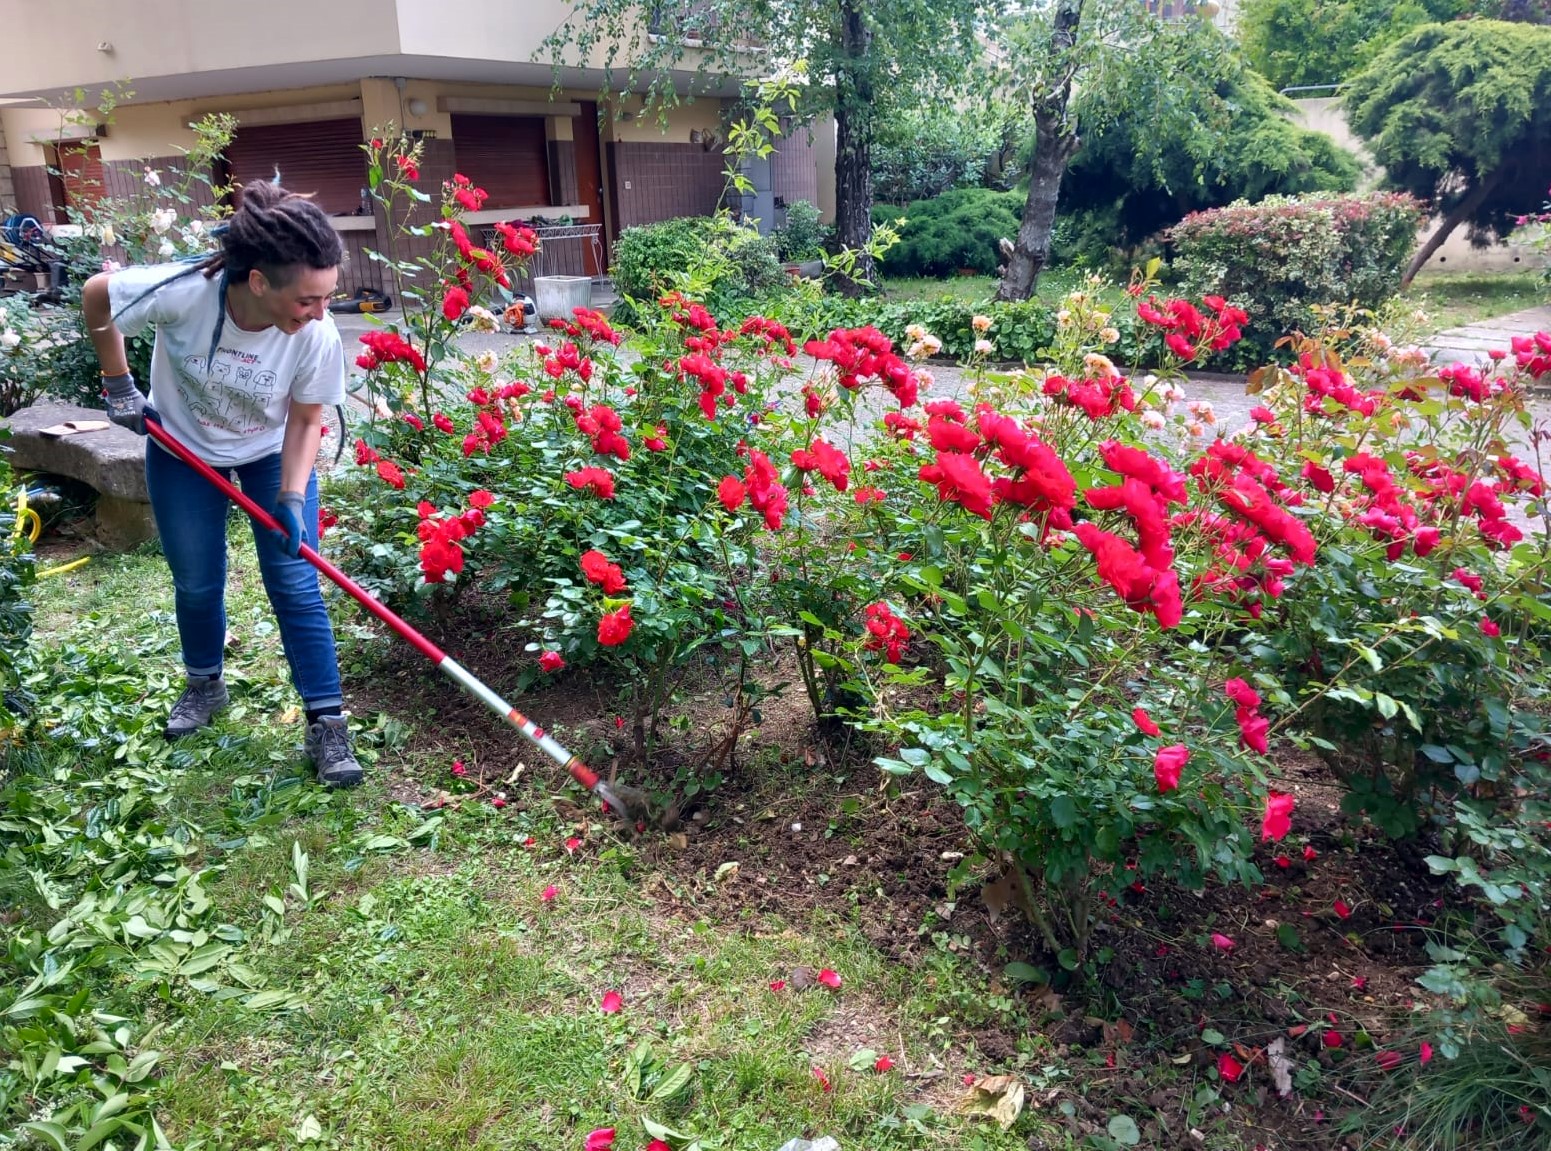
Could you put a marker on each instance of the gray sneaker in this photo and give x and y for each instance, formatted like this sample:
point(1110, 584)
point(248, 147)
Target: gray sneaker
point(328, 746)
point(196, 707)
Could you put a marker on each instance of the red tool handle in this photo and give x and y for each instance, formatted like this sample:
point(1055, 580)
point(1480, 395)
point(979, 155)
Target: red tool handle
point(465, 679)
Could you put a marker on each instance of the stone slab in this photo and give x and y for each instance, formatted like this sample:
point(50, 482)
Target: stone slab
point(111, 461)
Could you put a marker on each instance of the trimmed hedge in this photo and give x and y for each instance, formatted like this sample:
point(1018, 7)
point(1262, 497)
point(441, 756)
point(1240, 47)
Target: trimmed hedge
point(1279, 257)
point(712, 257)
point(956, 231)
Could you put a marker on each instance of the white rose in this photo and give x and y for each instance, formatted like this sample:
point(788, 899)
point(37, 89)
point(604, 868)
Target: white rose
point(166, 249)
point(152, 178)
point(109, 237)
point(487, 362)
point(162, 219)
point(196, 226)
point(1153, 420)
point(9, 339)
point(984, 347)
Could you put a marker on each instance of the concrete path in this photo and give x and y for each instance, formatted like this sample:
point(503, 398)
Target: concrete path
point(1471, 343)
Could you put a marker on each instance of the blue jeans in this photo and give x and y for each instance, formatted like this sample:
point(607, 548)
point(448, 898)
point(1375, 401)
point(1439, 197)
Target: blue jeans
point(191, 519)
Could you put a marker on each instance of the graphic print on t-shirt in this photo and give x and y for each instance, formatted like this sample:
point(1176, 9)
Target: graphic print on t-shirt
point(232, 396)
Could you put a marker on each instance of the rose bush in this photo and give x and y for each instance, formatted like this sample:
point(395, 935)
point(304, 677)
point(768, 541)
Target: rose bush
point(1068, 597)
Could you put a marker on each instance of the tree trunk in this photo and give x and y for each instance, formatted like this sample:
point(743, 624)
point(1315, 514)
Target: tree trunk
point(1457, 216)
point(1055, 140)
point(853, 146)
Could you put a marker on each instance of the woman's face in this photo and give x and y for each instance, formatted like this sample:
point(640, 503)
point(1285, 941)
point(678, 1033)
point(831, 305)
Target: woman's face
point(303, 299)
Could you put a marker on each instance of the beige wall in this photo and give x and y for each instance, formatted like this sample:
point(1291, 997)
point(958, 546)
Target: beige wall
point(59, 40)
point(824, 158)
point(1326, 115)
point(141, 130)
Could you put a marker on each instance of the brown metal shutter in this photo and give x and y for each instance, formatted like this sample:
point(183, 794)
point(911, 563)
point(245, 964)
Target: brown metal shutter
point(322, 157)
point(506, 156)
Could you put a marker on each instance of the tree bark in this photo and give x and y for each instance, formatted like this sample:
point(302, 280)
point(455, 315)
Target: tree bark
point(1457, 216)
point(853, 146)
point(1055, 141)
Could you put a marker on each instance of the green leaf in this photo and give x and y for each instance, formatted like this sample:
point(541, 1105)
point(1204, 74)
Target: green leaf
point(56, 1135)
point(100, 1131)
point(1063, 811)
point(1123, 1130)
point(1025, 973)
point(1068, 959)
point(1214, 1038)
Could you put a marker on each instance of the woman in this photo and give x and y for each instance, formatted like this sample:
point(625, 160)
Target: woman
point(245, 358)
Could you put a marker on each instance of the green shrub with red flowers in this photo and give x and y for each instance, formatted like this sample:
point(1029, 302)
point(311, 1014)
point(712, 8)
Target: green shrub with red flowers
point(1281, 257)
point(1065, 596)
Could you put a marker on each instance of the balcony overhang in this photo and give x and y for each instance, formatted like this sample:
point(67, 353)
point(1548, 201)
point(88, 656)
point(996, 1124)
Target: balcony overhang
point(202, 85)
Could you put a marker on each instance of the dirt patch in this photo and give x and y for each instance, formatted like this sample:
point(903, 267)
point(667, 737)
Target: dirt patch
point(1332, 941)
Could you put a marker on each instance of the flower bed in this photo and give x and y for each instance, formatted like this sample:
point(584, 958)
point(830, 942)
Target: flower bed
point(1082, 610)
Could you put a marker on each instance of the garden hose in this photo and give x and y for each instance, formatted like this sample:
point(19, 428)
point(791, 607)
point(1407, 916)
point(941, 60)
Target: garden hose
point(28, 522)
point(63, 568)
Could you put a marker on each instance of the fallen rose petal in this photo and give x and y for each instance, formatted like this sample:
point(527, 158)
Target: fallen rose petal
point(458, 769)
point(549, 894)
point(1283, 862)
point(1341, 909)
point(529, 842)
point(1222, 942)
point(969, 1080)
point(883, 1064)
point(658, 1145)
point(818, 1073)
point(1229, 1067)
point(778, 985)
point(1426, 1053)
point(613, 1003)
point(829, 979)
point(1359, 983)
point(600, 1140)
point(1389, 1060)
point(497, 802)
point(572, 844)
point(1332, 1038)
point(1309, 854)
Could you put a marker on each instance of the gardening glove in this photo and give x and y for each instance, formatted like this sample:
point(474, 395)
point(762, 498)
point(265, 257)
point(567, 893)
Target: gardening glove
point(288, 513)
point(125, 402)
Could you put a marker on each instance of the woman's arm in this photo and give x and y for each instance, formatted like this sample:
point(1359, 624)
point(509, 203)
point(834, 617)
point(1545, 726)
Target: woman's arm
point(303, 433)
point(106, 337)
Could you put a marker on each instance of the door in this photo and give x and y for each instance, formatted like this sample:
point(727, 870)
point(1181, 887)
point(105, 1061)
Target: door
point(589, 182)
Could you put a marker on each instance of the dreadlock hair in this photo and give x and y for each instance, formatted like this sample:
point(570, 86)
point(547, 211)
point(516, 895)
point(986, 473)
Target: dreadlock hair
point(274, 230)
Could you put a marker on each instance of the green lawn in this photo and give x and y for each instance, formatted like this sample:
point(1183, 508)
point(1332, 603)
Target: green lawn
point(383, 976)
point(1454, 299)
point(1450, 299)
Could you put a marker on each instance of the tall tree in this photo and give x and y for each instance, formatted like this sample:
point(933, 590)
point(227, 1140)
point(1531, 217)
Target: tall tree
point(862, 62)
point(1082, 65)
point(1460, 115)
point(1135, 176)
point(1322, 42)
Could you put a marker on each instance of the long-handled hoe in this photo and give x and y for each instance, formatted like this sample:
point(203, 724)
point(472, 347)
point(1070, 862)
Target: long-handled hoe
point(627, 803)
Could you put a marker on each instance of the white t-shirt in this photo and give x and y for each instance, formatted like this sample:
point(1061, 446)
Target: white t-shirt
point(234, 411)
